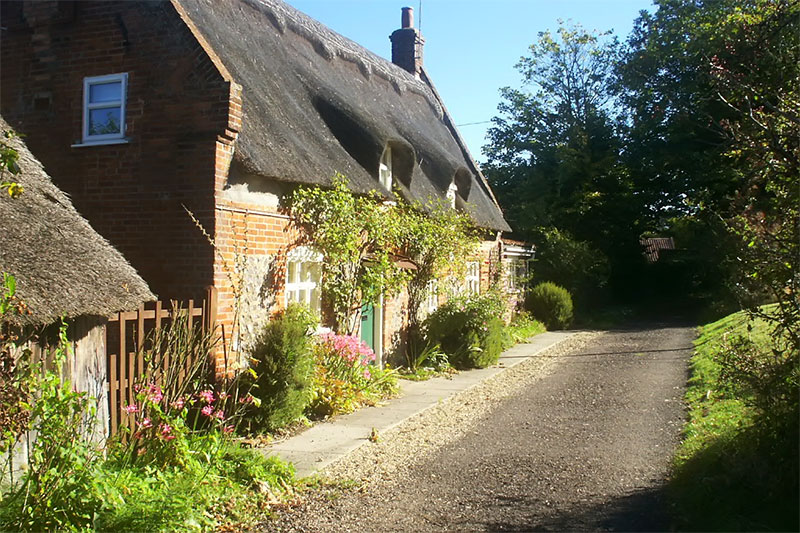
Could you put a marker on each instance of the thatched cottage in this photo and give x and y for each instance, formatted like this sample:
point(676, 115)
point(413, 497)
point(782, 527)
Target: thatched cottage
point(146, 110)
point(63, 269)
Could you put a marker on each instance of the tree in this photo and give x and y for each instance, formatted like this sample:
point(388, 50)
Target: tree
point(554, 155)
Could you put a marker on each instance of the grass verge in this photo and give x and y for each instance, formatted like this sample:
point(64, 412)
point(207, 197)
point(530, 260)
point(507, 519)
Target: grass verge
point(737, 467)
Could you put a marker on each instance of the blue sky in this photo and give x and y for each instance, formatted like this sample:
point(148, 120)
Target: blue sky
point(471, 46)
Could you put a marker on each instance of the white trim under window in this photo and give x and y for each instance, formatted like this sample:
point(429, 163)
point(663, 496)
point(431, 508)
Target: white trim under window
point(104, 108)
point(473, 277)
point(303, 277)
point(385, 169)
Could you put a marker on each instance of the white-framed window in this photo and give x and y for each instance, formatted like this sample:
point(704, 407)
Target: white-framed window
point(473, 277)
point(451, 195)
point(516, 273)
point(104, 107)
point(303, 277)
point(432, 296)
point(385, 169)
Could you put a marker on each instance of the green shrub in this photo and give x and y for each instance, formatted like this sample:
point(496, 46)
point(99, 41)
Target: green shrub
point(522, 327)
point(469, 330)
point(551, 304)
point(58, 489)
point(283, 362)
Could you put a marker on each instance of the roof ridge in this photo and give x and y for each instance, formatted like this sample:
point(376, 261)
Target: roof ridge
point(330, 45)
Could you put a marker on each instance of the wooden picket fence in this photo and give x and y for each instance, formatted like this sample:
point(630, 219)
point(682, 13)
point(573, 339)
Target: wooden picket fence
point(125, 335)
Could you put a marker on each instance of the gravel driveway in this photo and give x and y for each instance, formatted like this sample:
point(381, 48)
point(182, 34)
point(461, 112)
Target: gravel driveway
point(579, 438)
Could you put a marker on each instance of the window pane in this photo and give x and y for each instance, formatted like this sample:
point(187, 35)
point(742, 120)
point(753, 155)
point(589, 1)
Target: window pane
point(291, 276)
point(105, 92)
point(314, 305)
point(302, 296)
point(104, 121)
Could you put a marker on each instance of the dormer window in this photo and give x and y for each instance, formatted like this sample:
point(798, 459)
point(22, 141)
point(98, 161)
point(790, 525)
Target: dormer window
point(385, 169)
point(451, 195)
point(104, 108)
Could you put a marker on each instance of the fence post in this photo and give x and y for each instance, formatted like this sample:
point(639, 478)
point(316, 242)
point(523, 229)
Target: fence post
point(211, 308)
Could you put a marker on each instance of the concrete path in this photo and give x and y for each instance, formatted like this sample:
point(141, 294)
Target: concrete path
point(326, 442)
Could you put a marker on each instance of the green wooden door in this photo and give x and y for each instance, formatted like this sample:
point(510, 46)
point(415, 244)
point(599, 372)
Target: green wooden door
point(368, 325)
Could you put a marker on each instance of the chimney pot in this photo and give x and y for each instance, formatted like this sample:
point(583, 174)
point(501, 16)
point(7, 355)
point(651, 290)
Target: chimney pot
point(407, 18)
point(407, 43)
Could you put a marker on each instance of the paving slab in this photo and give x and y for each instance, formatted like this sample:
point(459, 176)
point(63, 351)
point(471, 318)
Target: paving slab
point(327, 442)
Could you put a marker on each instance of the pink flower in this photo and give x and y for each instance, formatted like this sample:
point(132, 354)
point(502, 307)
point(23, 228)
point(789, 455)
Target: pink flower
point(223, 395)
point(207, 410)
point(169, 437)
point(246, 399)
point(219, 415)
point(146, 423)
point(228, 429)
point(154, 393)
point(179, 403)
point(130, 409)
point(367, 375)
point(206, 395)
point(166, 429)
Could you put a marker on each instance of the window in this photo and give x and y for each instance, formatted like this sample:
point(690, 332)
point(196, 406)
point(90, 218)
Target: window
point(451, 195)
point(516, 273)
point(385, 169)
point(303, 275)
point(473, 277)
point(104, 108)
point(432, 296)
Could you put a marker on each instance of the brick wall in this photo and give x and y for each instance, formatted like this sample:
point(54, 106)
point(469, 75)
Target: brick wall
point(178, 105)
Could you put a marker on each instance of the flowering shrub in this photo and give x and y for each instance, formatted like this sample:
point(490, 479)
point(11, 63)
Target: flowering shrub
point(161, 427)
point(468, 329)
point(344, 377)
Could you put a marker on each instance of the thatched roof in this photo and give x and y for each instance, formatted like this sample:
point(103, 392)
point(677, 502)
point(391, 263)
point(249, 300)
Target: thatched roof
point(316, 103)
point(61, 265)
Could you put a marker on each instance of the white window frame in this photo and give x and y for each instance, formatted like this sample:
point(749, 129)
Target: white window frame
point(516, 282)
point(452, 190)
point(298, 257)
point(473, 277)
point(385, 169)
point(88, 106)
point(432, 295)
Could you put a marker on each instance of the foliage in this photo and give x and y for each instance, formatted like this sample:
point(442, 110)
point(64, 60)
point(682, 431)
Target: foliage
point(345, 378)
point(522, 327)
point(175, 396)
point(230, 490)
point(713, 97)
point(282, 362)
point(348, 229)
point(358, 235)
point(575, 265)
point(469, 329)
point(554, 161)
point(439, 240)
point(736, 469)
point(9, 158)
point(59, 489)
point(551, 304)
point(423, 358)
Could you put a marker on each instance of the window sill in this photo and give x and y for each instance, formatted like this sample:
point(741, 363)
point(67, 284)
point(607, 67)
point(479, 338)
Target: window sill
point(106, 142)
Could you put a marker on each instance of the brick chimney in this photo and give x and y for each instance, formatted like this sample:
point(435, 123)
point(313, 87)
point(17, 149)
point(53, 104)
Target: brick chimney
point(407, 44)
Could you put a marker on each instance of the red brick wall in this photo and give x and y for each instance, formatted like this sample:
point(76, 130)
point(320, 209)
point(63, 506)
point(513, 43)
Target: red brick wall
point(178, 106)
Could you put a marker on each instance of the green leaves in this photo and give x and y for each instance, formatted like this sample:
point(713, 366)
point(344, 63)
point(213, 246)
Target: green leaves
point(359, 237)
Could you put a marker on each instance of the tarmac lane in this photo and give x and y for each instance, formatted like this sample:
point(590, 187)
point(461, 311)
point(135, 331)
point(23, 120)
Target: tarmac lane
point(581, 444)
